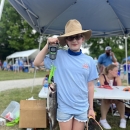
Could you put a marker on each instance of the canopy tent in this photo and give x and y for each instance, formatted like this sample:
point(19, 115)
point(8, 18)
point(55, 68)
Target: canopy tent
point(29, 54)
point(104, 17)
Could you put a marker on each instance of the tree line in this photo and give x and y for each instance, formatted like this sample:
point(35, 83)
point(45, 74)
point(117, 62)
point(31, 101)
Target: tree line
point(17, 35)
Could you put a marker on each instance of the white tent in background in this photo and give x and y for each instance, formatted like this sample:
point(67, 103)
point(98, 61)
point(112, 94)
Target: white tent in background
point(29, 54)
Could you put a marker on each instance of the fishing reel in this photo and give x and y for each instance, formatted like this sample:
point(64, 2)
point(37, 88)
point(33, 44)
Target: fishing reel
point(53, 50)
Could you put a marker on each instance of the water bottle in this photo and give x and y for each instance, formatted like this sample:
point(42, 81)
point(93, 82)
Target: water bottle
point(98, 83)
point(46, 85)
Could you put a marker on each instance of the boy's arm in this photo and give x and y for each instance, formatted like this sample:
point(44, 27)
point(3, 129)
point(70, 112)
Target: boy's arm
point(90, 99)
point(90, 94)
point(41, 55)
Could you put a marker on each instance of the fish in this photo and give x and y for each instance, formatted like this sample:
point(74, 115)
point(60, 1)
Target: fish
point(52, 105)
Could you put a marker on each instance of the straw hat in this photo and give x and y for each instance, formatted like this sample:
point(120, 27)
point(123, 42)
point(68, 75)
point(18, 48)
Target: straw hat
point(73, 27)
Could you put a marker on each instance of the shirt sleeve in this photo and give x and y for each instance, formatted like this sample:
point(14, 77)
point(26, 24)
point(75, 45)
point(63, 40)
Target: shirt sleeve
point(100, 59)
point(93, 71)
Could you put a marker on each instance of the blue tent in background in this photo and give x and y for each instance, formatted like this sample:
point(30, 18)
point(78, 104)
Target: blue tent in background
point(128, 58)
point(104, 17)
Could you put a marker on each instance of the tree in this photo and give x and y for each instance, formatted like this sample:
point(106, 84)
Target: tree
point(97, 46)
point(15, 33)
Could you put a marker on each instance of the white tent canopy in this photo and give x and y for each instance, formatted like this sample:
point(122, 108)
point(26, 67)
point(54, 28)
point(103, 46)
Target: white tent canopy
point(29, 54)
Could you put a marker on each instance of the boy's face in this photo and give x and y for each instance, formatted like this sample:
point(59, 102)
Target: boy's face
point(74, 42)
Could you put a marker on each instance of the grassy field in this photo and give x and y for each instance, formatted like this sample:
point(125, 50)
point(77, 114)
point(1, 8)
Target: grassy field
point(10, 75)
point(24, 93)
point(16, 95)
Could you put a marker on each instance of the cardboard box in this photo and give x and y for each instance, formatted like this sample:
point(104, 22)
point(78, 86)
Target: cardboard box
point(33, 114)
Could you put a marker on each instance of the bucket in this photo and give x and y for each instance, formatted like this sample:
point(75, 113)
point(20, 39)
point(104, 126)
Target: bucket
point(12, 111)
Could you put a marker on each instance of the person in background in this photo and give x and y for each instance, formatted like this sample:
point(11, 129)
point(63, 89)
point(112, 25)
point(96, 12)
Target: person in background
point(128, 72)
point(8, 67)
point(111, 73)
point(74, 77)
point(0, 65)
point(21, 65)
point(4, 65)
point(16, 66)
point(106, 59)
point(31, 67)
point(126, 69)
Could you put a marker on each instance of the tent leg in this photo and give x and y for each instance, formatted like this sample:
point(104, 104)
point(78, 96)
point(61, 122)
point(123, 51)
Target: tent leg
point(1, 7)
point(28, 63)
point(40, 41)
point(126, 58)
point(33, 79)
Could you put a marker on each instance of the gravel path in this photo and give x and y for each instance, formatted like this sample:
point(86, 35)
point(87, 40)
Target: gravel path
point(10, 84)
point(23, 83)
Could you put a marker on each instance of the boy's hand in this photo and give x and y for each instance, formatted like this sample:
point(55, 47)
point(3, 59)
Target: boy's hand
point(52, 40)
point(91, 113)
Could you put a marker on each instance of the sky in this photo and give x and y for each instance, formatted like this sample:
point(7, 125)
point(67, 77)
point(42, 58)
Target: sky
point(84, 50)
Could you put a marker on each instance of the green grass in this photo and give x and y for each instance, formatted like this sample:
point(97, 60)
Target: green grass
point(24, 93)
point(10, 75)
point(16, 95)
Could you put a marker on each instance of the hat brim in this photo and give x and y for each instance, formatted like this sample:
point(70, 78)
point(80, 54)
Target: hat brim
point(87, 35)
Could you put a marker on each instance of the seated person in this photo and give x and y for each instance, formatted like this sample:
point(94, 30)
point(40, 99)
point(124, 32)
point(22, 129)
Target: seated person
point(111, 73)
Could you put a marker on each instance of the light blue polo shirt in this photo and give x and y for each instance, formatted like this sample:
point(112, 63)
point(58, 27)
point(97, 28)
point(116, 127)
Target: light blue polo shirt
point(105, 60)
point(72, 75)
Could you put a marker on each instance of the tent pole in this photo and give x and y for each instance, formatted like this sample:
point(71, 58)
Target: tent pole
point(35, 69)
point(28, 63)
point(40, 41)
point(1, 7)
point(126, 58)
